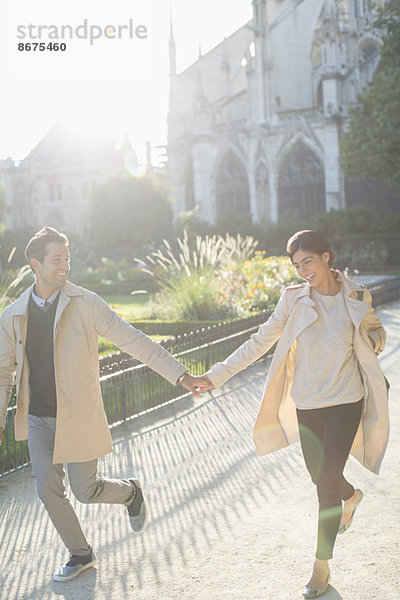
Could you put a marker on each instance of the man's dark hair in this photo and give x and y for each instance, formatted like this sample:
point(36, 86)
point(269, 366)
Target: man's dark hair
point(37, 245)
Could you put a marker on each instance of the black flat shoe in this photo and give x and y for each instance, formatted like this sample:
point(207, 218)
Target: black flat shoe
point(310, 592)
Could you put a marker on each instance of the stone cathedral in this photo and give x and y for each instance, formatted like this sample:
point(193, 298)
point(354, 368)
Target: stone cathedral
point(254, 124)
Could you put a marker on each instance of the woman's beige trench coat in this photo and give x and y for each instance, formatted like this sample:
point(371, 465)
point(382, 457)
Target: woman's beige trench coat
point(276, 424)
point(82, 432)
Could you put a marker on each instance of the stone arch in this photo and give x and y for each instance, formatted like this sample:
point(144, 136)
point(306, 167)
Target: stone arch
point(232, 186)
point(301, 183)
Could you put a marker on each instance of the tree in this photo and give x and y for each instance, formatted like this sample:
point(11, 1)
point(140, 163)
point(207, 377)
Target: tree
point(371, 146)
point(129, 214)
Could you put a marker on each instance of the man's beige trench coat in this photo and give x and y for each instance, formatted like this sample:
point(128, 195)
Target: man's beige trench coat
point(276, 425)
point(82, 432)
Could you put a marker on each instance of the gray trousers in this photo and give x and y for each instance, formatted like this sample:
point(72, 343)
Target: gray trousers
point(85, 484)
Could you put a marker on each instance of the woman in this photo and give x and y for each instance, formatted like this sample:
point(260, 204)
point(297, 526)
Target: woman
point(324, 386)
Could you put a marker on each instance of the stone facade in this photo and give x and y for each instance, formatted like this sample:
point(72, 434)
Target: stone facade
point(54, 184)
point(254, 124)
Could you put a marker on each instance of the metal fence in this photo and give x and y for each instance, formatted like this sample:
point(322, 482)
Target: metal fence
point(130, 388)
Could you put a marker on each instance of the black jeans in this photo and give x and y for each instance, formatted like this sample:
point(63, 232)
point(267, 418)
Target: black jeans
point(326, 436)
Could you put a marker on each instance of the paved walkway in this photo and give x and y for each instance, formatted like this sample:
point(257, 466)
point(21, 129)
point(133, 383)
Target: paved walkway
point(225, 524)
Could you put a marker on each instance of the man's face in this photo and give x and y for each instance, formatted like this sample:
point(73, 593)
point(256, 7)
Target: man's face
point(52, 273)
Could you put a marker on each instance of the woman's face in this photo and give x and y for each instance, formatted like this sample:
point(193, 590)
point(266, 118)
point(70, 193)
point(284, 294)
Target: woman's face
point(314, 268)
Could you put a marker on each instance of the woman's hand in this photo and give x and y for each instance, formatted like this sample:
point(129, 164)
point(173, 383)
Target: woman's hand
point(196, 384)
point(204, 383)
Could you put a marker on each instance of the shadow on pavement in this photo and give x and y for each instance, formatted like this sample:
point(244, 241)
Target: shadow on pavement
point(200, 474)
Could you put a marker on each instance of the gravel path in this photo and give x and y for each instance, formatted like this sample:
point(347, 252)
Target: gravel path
point(225, 524)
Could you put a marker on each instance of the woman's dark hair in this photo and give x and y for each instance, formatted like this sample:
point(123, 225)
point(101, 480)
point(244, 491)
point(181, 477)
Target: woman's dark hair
point(37, 245)
point(313, 242)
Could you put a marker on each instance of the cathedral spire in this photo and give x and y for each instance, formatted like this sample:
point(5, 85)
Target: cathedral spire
point(172, 45)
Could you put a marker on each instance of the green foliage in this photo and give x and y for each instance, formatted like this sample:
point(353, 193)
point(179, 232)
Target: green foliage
point(363, 254)
point(189, 297)
point(274, 236)
point(2, 203)
point(191, 222)
point(129, 214)
point(359, 239)
point(344, 222)
point(235, 222)
point(109, 277)
point(218, 279)
point(371, 146)
point(187, 277)
point(255, 284)
point(18, 239)
point(13, 282)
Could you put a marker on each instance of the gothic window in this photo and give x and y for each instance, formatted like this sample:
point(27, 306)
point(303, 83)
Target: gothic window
point(232, 190)
point(361, 7)
point(189, 188)
point(342, 12)
point(55, 192)
point(369, 50)
point(301, 188)
point(317, 45)
point(262, 191)
point(369, 59)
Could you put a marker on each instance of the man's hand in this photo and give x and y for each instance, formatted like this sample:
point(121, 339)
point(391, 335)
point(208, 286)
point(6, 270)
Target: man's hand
point(189, 382)
point(204, 383)
point(196, 384)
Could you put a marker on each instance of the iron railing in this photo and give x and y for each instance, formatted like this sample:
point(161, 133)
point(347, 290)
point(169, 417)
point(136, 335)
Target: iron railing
point(130, 388)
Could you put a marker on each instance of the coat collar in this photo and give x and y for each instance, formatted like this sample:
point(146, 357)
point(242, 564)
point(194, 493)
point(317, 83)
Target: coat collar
point(348, 285)
point(20, 306)
point(357, 308)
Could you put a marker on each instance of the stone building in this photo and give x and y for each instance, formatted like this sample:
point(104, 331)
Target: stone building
point(54, 184)
point(254, 124)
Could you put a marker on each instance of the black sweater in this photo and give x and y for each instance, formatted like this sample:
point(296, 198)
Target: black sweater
point(40, 353)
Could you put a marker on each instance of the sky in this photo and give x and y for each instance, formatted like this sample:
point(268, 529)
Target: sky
point(119, 82)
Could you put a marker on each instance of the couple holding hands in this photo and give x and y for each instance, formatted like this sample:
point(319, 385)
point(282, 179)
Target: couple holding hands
point(324, 387)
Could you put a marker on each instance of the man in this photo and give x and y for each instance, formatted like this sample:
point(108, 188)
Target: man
point(48, 339)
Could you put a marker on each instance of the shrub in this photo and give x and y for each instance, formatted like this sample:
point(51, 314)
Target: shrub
point(219, 279)
point(362, 254)
point(187, 279)
point(255, 284)
point(13, 282)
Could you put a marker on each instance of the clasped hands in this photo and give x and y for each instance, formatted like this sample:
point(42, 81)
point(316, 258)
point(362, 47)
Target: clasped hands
point(197, 384)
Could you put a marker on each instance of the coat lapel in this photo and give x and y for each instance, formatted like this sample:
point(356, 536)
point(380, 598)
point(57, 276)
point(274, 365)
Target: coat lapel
point(66, 293)
point(357, 308)
point(305, 313)
point(62, 303)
